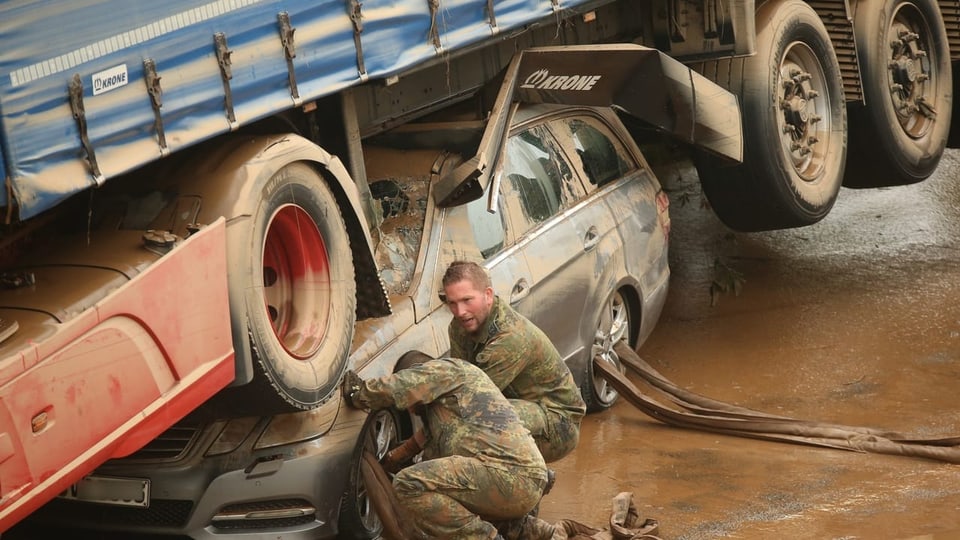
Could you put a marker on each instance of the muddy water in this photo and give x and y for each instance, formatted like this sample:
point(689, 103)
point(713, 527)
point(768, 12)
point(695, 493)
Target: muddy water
point(855, 320)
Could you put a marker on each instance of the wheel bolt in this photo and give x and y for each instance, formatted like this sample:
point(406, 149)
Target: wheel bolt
point(907, 37)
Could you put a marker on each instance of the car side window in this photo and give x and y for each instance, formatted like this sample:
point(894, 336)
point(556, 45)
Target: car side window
point(538, 175)
point(471, 233)
point(488, 230)
point(602, 156)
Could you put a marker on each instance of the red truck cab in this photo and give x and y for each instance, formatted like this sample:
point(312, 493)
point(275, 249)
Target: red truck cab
point(107, 341)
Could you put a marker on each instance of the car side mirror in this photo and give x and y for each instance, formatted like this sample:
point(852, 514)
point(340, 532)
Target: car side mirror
point(459, 186)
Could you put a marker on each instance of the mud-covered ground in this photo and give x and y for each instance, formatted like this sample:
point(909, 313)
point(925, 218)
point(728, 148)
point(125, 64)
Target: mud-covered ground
point(855, 321)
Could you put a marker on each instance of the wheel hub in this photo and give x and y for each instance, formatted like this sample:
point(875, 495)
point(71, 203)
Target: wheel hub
point(604, 344)
point(909, 72)
point(613, 327)
point(795, 110)
point(796, 105)
point(296, 281)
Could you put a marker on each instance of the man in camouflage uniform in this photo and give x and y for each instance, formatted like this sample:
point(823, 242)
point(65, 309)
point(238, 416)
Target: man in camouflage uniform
point(478, 459)
point(519, 358)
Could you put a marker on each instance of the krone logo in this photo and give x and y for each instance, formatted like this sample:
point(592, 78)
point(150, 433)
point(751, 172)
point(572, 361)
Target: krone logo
point(542, 80)
point(109, 79)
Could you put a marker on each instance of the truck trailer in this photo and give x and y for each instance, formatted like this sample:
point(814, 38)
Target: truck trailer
point(162, 243)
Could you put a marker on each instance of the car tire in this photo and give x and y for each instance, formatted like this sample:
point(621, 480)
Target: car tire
point(358, 519)
point(794, 126)
point(615, 324)
point(291, 273)
point(898, 136)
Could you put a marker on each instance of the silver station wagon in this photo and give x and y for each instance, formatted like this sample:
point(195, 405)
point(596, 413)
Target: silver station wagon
point(572, 226)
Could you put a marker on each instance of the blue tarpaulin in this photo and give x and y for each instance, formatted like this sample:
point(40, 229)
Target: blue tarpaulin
point(44, 44)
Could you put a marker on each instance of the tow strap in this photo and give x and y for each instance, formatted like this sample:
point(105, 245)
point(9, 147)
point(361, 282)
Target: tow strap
point(690, 410)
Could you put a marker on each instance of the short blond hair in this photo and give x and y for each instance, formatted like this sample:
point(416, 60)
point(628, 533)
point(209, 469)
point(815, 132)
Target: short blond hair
point(467, 270)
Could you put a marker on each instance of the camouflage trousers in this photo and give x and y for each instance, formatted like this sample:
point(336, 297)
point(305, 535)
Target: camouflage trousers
point(446, 497)
point(556, 434)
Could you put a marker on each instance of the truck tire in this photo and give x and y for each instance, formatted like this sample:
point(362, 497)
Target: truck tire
point(291, 271)
point(898, 135)
point(794, 127)
point(615, 324)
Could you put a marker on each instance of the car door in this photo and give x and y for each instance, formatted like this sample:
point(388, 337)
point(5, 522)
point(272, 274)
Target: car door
point(622, 206)
point(542, 197)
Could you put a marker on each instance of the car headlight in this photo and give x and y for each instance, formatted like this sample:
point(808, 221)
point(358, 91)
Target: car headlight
point(299, 426)
point(232, 434)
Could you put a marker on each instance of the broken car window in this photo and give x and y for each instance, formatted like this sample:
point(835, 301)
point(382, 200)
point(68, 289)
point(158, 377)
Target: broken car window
point(602, 156)
point(537, 172)
point(403, 203)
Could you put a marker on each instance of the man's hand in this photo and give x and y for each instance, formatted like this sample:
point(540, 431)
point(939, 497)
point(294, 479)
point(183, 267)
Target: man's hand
point(395, 459)
point(351, 389)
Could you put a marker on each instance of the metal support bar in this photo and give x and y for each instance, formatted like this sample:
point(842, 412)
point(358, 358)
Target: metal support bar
point(290, 52)
point(76, 106)
point(713, 14)
point(356, 17)
point(156, 100)
point(223, 58)
point(358, 170)
point(678, 20)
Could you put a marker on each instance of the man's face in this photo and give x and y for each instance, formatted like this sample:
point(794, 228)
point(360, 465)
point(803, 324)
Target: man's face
point(470, 306)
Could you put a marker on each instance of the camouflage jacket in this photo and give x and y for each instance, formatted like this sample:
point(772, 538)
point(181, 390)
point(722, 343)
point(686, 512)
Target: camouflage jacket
point(464, 413)
point(520, 359)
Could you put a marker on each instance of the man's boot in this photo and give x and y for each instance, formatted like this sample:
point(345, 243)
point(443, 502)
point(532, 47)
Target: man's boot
point(526, 528)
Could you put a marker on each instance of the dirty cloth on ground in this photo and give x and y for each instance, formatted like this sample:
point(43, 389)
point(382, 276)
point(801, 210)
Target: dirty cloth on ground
point(626, 523)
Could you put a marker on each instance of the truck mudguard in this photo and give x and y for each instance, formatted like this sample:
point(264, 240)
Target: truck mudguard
point(645, 83)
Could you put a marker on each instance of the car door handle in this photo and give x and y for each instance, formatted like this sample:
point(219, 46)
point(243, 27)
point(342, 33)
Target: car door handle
point(591, 239)
point(519, 291)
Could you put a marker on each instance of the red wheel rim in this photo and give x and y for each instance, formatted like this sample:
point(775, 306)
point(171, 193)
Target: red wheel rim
point(296, 281)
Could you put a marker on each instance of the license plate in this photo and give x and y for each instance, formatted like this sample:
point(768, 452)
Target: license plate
point(110, 490)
